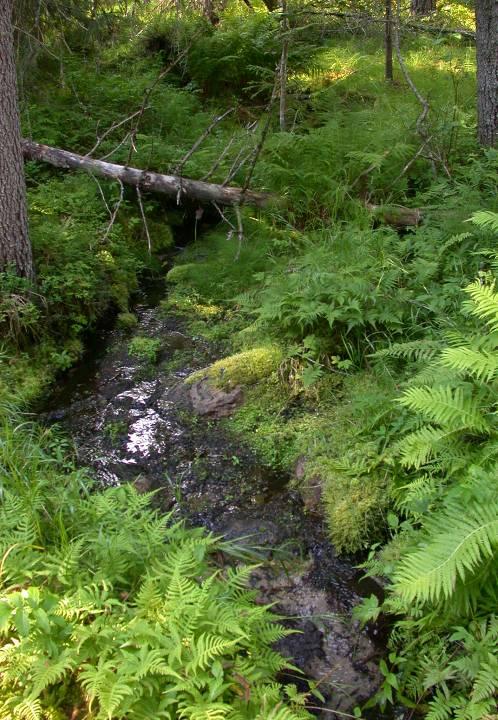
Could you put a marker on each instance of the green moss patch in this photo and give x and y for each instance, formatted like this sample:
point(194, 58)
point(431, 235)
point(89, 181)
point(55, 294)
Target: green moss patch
point(244, 368)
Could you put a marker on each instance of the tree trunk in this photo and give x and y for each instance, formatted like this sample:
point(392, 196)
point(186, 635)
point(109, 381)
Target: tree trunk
point(15, 248)
point(175, 186)
point(284, 26)
point(422, 7)
point(388, 41)
point(487, 71)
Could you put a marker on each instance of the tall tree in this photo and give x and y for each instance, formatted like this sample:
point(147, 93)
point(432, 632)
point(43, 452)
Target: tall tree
point(487, 71)
point(422, 7)
point(15, 248)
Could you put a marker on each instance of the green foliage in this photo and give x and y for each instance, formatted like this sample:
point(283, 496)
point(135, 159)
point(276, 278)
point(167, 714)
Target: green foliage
point(127, 320)
point(444, 570)
point(19, 309)
point(144, 348)
point(108, 606)
point(81, 268)
point(232, 59)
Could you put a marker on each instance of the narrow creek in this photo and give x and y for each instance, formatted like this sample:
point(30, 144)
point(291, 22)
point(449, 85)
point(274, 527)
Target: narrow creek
point(131, 421)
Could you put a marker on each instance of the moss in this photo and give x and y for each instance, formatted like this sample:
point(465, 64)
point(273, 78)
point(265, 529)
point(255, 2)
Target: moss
point(144, 348)
point(181, 273)
point(127, 320)
point(355, 502)
point(244, 368)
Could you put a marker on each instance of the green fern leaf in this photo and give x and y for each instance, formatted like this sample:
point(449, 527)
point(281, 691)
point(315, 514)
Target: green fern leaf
point(431, 573)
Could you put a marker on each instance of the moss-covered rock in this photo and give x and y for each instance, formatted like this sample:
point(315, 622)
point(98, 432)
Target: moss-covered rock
point(244, 368)
point(181, 273)
point(355, 502)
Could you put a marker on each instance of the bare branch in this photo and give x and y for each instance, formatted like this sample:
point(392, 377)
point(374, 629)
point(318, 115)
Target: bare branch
point(178, 169)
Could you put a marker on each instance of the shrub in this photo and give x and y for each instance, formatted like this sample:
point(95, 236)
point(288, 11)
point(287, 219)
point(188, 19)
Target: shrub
point(144, 348)
point(442, 563)
point(127, 320)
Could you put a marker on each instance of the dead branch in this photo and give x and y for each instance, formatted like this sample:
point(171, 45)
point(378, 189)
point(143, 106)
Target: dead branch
point(178, 169)
point(170, 185)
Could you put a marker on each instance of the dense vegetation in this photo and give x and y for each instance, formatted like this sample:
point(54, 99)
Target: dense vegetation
point(367, 348)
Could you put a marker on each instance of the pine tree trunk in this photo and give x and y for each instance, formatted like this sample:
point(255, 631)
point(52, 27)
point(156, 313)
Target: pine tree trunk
point(487, 71)
point(15, 248)
point(422, 7)
point(388, 41)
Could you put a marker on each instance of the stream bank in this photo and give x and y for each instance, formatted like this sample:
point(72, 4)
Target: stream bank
point(133, 420)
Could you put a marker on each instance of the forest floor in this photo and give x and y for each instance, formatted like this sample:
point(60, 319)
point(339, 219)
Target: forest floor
point(294, 329)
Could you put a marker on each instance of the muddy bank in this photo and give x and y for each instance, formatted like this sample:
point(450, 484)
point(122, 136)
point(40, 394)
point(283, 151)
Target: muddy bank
point(133, 420)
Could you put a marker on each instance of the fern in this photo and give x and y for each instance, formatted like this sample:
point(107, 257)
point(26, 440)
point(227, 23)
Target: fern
point(124, 613)
point(449, 555)
point(486, 219)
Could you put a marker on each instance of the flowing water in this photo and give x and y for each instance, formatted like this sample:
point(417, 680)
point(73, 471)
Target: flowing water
point(133, 422)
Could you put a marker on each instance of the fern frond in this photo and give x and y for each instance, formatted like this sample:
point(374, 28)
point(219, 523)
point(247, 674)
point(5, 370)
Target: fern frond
point(28, 710)
point(419, 447)
point(206, 649)
point(483, 303)
point(431, 573)
point(486, 219)
point(481, 365)
point(450, 407)
point(418, 350)
point(486, 682)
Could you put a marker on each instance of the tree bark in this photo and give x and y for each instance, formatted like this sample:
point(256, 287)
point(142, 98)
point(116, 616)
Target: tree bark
point(172, 185)
point(15, 248)
point(420, 8)
point(388, 41)
point(487, 71)
point(284, 26)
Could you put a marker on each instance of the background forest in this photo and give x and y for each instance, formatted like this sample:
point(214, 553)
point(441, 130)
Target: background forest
point(354, 300)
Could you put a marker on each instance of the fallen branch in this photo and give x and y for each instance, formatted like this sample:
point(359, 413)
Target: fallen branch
point(395, 215)
point(171, 185)
point(184, 188)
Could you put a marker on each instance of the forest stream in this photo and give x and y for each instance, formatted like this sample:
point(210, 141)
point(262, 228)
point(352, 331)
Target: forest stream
point(133, 421)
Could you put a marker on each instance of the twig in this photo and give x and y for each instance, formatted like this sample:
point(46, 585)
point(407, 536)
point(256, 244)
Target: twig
point(425, 105)
point(283, 65)
point(109, 130)
point(144, 219)
point(178, 169)
point(240, 230)
point(40, 42)
point(410, 162)
point(236, 166)
point(262, 140)
point(152, 87)
point(369, 169)
point(223, 216)
point(114, 150)
point(102, 195)
point(115, 211)
point(220, 159)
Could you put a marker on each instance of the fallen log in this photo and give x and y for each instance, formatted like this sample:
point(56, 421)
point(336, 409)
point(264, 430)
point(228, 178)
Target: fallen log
point(396, 215)
point(174, 186)
point(182, 188)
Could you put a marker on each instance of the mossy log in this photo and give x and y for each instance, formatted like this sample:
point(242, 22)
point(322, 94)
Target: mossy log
point(396, 215)
point(174, 186)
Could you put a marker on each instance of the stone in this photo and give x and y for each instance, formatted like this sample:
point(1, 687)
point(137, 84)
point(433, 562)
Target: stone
point(211, 401)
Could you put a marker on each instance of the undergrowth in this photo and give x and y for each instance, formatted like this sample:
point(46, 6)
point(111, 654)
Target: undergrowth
point(353, 312)
point(111, 608)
